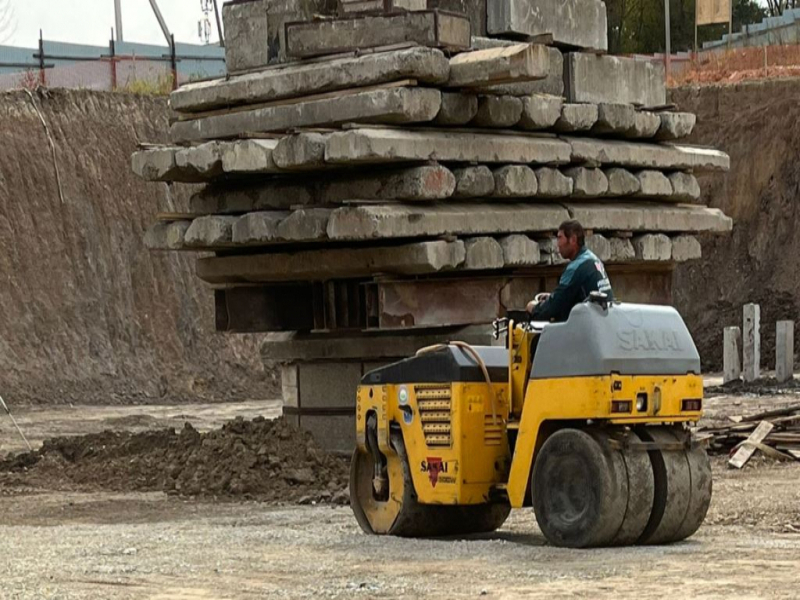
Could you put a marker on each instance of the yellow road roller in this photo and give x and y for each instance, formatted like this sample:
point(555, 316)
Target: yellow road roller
point(587, 421)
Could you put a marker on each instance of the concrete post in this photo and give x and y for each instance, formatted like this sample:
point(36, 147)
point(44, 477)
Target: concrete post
point(751, 351)
point(784, 350)
point(731, 355)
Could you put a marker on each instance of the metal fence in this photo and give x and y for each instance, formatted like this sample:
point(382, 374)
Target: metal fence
point(120, 65)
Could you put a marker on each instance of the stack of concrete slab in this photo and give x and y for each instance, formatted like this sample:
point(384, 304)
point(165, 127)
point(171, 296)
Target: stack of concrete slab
point(396, 182)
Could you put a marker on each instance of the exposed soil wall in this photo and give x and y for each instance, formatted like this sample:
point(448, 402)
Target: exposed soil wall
point(758, 124)
point(88, 314)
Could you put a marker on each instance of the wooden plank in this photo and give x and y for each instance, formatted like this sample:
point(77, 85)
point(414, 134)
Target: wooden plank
point(744, 453)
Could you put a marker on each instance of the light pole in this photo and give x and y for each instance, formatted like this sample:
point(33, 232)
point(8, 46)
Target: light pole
point(118, 19)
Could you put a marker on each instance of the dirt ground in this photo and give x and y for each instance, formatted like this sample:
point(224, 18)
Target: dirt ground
point(71, 544)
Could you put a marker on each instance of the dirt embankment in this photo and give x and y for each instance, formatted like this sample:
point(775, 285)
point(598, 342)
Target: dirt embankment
point(89, 315)
point(758, 124)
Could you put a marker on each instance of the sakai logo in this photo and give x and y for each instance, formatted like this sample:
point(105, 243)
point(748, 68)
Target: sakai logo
point(433, 466)
point(649, 340)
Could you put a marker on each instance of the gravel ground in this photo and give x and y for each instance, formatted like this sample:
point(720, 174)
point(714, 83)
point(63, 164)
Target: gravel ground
point(68, 544)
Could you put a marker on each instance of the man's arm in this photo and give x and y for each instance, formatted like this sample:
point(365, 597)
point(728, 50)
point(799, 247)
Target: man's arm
point(561, 301)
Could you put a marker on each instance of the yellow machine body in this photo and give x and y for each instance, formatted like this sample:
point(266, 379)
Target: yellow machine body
point(457, 434)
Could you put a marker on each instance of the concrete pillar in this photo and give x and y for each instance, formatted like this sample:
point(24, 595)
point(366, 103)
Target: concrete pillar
point(784, 350)
point(751, 350)
point(731, 354)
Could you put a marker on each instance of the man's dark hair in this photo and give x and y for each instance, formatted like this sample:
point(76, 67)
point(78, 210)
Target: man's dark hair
point(572, 227)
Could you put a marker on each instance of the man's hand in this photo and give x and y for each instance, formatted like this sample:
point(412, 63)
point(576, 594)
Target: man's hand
point(538, 299)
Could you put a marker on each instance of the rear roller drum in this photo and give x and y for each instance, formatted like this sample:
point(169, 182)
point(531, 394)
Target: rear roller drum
point(641, 491)
point(579, 489)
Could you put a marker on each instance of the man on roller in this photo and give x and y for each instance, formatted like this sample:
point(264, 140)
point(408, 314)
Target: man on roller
point(584, 274)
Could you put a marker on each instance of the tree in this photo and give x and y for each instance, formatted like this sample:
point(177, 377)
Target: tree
point(637, 26)
point(8, 24)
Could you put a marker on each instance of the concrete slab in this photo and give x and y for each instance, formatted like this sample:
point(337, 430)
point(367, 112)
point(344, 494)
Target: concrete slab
point(398, 221)
point(210, 231)
point(515, 181)
point(519, 251)
point(483, 253)
point(675, 125)
point(614, 119)
point(647, 156)
point(587, 183)
point(621, 182)
point(425, 28)
point(653, 184)
point(393, 105)
point(540, 111)
point(600, 79)
point(552, 183)
point(732, 354)
point(572, 23)
point(509, 64)
point(685, 247)
point(258, 227)
point(684, 187)
point(621, 250)
point(457, 109)
point(653, 217)
point(473, 182)
point(302, 151)
point(552, 85)
point(156, 164)
point(203, 162)
point(498, 111)
point(364, 146)
point(645, 125)
point(576, 117)
point(166, 235)
point(600, 245)
point(325, 264)
point(426, 65)
point(751, 347)
point(652, 247)
point(246, 35)
point(248, 157)
point(784, 350)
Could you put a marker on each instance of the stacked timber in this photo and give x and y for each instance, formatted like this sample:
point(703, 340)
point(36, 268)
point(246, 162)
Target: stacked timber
point(396, 173)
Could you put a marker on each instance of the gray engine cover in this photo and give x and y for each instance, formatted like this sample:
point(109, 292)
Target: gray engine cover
point(629, 339)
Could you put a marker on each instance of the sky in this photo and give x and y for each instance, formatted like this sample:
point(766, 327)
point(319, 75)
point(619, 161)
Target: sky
point(90, 21)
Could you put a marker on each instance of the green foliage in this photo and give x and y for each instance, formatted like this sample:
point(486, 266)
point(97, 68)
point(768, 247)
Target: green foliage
point(147, 87)
point(637, 26)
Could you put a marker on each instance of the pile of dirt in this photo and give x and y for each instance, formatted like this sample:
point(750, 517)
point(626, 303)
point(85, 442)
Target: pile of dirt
point(767, 386)
point(262, 459)
point(758, 124)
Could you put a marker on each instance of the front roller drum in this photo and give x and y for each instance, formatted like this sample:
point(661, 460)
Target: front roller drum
point(399, 513)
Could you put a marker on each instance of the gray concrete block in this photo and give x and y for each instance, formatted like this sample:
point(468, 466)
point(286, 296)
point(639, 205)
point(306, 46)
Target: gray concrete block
point(676, 125)
point(300, 151)
point(751, 342)
point(613, 79)
point(473, 182)
point(572, 23)
point(685, 247)
point(426, 28)
point(515, 181)
point(645, 125)
point(393, 105)
point(684, 187)
point(652, 247)
point(552, 85)
point(257, 227)
point(246, 35)
point(304, 224)
point(204, 161)
point(614, 119)
point(587, 183)
point(509, 64)
point(498, 111)
point(328, 385)
point(324, 264)
point(784, 350)
point(155, 164)
point(600, 245)
point(398, 221)
point(621, 250)
point(647, 156)
point(377, 146)
point(552, 183)
point(621, 182)
point(731, 354)
point(540, 111)
point(457, 109)
point(333, 433)
point(210, 231)
point(653, 184)
point(426, 65)
point(166, 235)
point(248, 157)
point(483, 253)
point(290, 391)
point(519, 251)
point(549, 253)
point(654, 217)
point(576, 117)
